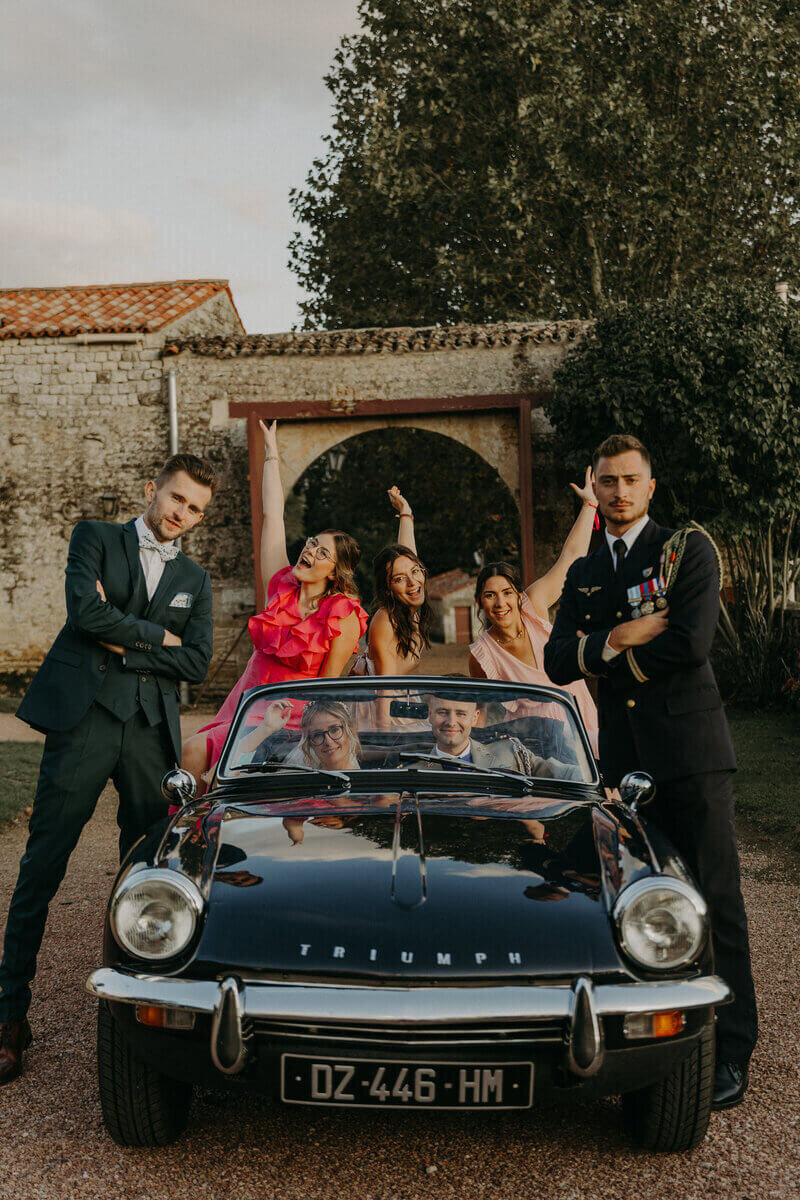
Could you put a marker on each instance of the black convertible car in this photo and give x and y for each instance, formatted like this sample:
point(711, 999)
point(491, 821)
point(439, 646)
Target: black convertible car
point(407, 893)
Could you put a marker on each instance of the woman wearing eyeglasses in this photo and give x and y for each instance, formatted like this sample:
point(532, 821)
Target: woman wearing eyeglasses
point(328, 739)
point(312, 621)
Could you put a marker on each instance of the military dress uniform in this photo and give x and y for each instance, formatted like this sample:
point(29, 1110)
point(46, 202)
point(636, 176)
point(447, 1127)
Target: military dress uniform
point(105, 716)
point(660, 711)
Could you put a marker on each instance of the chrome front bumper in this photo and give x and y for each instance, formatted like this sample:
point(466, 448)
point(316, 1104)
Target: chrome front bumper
point(233, 1004)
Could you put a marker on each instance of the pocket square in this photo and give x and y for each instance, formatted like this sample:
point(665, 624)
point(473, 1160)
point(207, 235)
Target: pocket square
point(182, 600)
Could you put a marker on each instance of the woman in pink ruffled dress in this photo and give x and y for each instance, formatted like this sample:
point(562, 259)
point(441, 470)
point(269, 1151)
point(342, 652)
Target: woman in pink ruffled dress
point(312, 621)
point(516, 621)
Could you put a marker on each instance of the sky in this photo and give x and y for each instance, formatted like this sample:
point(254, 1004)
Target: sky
point(158, 139)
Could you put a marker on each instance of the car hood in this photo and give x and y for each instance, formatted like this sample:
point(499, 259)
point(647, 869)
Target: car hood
point(406, 889)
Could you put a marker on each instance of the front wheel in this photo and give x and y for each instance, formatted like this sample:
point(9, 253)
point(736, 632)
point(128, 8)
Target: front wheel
point(672, 1115)
point(140, 1106)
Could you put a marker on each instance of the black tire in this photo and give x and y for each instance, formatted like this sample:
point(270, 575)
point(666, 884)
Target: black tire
point(140, 1106)
point(672, 1115)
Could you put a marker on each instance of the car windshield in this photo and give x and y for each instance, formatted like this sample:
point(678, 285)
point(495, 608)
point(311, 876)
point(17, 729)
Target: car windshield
point(339, 726)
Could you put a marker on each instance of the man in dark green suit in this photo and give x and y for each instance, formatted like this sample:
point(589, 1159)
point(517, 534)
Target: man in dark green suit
point(138, 622)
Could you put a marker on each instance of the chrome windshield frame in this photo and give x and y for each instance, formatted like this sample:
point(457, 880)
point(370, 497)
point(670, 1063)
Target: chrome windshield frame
point(369, 683)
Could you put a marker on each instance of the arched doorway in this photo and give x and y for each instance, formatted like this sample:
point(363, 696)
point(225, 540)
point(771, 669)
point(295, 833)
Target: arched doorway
point(465, 513)
point(496, 427)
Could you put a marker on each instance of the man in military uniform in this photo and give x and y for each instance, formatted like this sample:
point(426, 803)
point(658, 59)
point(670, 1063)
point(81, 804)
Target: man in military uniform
point(138, 621)
point(659, 707)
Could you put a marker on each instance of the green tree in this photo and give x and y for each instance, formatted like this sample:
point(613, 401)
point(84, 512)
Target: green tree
point(495, 160)
point(711, 385)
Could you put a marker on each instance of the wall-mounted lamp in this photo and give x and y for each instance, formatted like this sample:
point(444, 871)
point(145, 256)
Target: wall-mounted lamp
point(336, 457)
point(110, 506)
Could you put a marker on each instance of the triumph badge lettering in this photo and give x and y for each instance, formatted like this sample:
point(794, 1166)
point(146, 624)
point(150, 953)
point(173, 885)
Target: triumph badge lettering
point(441, 958)
point(365, 1083)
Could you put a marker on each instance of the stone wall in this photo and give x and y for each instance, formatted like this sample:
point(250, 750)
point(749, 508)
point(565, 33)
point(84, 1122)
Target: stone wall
point(83, 427)
point(212, 374)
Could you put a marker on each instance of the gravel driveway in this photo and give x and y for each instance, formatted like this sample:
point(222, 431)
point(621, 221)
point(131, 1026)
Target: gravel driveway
point(52, 1143)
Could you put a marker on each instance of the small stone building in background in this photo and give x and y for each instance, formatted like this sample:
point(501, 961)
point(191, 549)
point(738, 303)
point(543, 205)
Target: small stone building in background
point(452, 599)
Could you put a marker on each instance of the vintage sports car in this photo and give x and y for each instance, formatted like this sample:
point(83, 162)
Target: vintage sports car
point(407, 893)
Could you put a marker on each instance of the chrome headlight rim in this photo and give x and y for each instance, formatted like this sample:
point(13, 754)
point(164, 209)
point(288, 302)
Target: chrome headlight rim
point(660, 883)
point(165, 877)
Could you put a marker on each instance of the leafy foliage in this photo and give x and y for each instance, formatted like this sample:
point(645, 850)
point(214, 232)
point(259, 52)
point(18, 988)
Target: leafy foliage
point(711, 385)
point(504, 160)
point(461, 506)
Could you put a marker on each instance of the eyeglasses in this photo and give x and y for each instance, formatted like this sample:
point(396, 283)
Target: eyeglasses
point(414, 576)
point(320, 551)
point(334, 732)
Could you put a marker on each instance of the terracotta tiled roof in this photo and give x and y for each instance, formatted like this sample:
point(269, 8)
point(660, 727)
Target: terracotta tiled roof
point(101, 308)
point(404, 339)
point(451, 581)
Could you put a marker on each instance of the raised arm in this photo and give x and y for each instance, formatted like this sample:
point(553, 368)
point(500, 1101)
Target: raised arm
point(545, 591)
point(273, 532)
point(405, 534)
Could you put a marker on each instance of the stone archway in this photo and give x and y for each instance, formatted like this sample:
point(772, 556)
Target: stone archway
point(465, 513)
point(497, 428)
point(492, 437)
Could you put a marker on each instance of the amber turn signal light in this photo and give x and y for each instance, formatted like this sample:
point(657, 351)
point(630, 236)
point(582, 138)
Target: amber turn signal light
point(654, 1024)
point(164, 1018)
point(150, 1014)
point(667, 1024)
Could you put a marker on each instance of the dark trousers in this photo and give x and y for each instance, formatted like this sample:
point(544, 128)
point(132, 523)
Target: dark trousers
point(696, 814)
point(76, 766)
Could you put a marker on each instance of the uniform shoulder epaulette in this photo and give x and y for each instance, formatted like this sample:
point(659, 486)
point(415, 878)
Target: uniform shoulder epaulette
point(674, 548)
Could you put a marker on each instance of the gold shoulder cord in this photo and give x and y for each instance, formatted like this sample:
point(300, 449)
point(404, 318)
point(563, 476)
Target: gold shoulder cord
point(673, 551)
point(671, 557)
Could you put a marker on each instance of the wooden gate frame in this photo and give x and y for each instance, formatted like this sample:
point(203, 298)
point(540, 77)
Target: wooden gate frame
point(325, 410)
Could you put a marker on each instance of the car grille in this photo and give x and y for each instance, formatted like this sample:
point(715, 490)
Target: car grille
point(376, 1034)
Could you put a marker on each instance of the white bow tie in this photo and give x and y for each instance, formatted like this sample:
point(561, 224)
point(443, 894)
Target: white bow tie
point(165, 550)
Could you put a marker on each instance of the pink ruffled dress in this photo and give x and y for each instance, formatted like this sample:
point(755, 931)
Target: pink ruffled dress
point(286, 646)
point(498, 663)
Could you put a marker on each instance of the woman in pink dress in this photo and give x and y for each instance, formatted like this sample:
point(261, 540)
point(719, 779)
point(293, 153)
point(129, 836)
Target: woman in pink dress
point(517, 626)
point(312, 621)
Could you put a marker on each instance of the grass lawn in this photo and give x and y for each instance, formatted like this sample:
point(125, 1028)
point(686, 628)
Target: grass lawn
point(768, 780)
point(19, 770)
point(9, 704)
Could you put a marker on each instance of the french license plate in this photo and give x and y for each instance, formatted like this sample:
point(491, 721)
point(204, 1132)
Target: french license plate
point(365, 1083)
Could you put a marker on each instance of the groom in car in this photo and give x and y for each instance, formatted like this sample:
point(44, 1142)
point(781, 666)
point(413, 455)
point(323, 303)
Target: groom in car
point(138, 621)
point(452, 721)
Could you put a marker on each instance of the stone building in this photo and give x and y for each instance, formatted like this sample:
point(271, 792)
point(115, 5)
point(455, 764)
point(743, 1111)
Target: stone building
point(452, 598)
point(84, 422)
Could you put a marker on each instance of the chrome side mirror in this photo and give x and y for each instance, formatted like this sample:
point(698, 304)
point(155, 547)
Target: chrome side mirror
point(178, 787)
point(637, 788)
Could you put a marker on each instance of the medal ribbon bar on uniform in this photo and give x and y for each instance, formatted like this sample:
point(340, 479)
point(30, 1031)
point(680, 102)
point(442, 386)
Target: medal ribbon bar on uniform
point(644, 598)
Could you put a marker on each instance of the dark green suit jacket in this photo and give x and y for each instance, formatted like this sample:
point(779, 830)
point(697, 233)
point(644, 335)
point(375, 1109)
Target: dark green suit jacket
point(78, 671)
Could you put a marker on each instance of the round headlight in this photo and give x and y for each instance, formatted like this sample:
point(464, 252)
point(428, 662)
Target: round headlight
point(661, 922)
point(154, 913)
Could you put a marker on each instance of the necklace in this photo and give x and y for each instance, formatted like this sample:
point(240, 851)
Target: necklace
point(514, 636)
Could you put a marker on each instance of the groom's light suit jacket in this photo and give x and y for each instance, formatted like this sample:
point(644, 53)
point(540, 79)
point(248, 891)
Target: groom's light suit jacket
point(78, 672)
